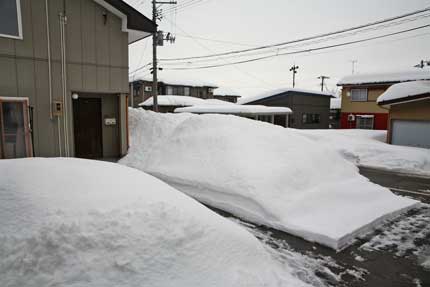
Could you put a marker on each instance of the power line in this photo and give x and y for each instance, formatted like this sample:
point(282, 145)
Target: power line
point(304, 39)
point(306, 50)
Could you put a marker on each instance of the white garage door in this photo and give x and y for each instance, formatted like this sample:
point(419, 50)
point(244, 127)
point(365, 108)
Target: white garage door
point(411, 133)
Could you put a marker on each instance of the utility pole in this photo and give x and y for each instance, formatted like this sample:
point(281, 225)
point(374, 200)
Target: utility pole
point(353, 62)
point(323, 78)
point(294, 69)
point(156, 42)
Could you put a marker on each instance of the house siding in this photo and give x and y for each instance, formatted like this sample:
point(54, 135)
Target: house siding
point(97, 62)
point(301, 104)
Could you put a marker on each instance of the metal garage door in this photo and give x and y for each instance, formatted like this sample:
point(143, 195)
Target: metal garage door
point(411, 133)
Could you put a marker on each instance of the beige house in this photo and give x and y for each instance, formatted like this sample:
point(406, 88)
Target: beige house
point(359, 108)
point(64, 76)
point(408, 105)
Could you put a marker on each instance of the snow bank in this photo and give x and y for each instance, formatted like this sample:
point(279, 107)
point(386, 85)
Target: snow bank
point(405, 90)
point(391, 77)
point(368, 148)
point(235, 109)
point(69, 222)
point(275, 92)
point(262, 173)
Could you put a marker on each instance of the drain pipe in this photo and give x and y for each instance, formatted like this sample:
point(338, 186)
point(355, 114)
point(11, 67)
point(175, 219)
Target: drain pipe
point(48, 39)
point(64, 81)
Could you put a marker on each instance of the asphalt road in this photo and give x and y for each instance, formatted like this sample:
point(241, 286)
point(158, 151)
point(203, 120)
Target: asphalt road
point(415, 187)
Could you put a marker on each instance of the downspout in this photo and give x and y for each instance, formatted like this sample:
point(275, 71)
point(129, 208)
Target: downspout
point(64, 82)
point(48, 39)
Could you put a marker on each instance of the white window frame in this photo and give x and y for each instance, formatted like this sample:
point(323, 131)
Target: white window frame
point(361, 93)
point(367, 126)
point(19, 19)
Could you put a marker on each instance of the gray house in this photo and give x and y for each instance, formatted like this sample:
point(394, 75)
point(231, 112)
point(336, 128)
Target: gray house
point(311, 109)
point(64, 76)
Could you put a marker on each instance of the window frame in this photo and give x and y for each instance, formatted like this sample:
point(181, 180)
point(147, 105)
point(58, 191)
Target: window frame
point(366, 126)
point(311, 118)
point(26, 119)
point(360, 89)
point(19, 19)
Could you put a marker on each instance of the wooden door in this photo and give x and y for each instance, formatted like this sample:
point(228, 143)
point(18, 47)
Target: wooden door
point(87, 120)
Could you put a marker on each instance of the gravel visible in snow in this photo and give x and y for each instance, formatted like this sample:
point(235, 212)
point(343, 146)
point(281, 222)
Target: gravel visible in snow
point(70, 222)
point(368, 148)
point(404, 236)
point(263, 173)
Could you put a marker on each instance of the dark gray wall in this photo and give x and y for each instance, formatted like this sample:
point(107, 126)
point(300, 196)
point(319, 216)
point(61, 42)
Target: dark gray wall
point(97, 62)
point(300, 104)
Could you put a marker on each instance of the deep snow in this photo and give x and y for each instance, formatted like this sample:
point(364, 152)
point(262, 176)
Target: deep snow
point(70, 222)
point(263, 173)
point(404, 90)
point(367, 148)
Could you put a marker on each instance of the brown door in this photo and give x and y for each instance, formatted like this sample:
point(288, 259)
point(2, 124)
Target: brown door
point(87, 120)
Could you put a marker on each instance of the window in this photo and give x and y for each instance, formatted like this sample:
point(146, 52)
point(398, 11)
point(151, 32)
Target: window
point(359, 95)
point(169, 90)
point(15, 137)
point(310, 118)
point(365, 122)
point(187, 91)
point(10, 19)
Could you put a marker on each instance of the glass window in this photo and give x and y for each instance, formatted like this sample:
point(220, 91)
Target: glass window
point(365, 122)
point(359, 95)
point(310, 118)
point(187, 91)
point(15, 139)
point(169, 90)
point(10, 19)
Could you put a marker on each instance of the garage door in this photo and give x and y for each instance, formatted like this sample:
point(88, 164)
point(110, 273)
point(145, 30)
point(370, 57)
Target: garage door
point(411, 133)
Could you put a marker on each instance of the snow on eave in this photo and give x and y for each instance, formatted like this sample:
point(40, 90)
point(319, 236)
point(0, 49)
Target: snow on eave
point(172, 100)
point(235, 110)
point(384, 78)
point(405, 92)
point(277, 92)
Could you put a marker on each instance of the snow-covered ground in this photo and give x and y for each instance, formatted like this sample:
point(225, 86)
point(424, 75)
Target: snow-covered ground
point(70, 222)
point(368, 148)
point(263, 173)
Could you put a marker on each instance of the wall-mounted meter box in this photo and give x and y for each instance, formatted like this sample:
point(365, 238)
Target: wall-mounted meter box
point(110, 121)
point(57, 108)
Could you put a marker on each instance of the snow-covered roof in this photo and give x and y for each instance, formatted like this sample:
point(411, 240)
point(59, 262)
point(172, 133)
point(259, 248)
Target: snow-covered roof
point(178, 81)
point(223, 91)
point(235, 109)
point(381, 78)
point(404, 91)
point(272, 93)
point(335, 103)
point(168, 100)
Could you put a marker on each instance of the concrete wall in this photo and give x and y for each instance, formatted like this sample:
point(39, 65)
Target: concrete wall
point(413, 111)
point(97, 62)
point(370, 106)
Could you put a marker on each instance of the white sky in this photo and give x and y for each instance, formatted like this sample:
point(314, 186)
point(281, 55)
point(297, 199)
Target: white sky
point(255, 23)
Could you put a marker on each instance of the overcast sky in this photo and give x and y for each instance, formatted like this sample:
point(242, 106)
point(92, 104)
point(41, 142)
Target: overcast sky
point(249, 23)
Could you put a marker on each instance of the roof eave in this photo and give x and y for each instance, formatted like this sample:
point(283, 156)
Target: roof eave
point(404, 100)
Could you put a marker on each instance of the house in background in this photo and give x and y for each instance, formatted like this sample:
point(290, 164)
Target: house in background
point(168, 104)
point(64, 76)
point(142, 89)
point(311, 109)
point(359, 94)
point(335, 110)
point(225, 94)
point(409, 113)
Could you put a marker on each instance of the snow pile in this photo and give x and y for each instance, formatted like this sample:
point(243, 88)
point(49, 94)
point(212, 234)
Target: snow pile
point(262, 173)
point(391, 77)
point(180, 101)
point(69, 222)
point(276, 92)
point(405, 90)
point(235, 109)
point(367, 148)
